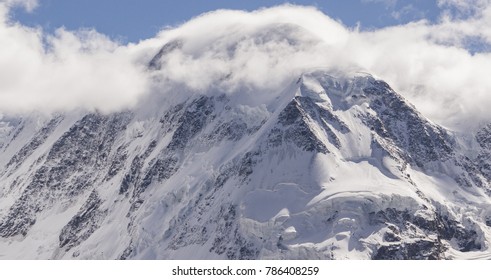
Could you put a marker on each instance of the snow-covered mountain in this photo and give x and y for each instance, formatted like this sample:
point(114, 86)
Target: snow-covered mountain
point(330, 166)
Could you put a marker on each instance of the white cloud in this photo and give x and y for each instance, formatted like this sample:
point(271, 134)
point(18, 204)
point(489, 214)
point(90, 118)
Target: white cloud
point(259, 49)
point(253, 53)
point(64, 71)
point(29, 5)
point(425, 62)
point(463, 8)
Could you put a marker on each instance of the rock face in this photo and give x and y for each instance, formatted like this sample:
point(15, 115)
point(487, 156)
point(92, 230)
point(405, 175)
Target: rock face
point(332, 168)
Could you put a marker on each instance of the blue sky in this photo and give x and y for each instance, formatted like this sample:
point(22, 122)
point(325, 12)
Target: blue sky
point(133, 20)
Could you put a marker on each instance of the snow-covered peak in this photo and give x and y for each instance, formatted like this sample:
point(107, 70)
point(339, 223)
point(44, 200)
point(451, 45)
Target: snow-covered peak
point(327, 165)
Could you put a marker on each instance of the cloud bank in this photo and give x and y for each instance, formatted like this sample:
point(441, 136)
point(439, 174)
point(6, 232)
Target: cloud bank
point(440, 67)
point(64, 71)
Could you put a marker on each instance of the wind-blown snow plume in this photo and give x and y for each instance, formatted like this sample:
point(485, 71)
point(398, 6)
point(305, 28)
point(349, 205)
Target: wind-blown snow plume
point(435, 65)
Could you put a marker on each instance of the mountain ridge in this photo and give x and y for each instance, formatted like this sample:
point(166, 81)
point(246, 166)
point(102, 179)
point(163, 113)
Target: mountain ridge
point(335, 166)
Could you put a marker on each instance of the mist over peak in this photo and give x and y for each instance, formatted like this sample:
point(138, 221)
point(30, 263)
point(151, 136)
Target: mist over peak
point(239, 52)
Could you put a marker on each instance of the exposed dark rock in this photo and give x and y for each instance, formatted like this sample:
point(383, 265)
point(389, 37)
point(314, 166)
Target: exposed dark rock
point(82, 149)
point(132, 177)
point(155, 63)
point(228, 240)
point(295, 122)
point(196, 115)
point(483, 137)
point(117, 163)
point(232, 131)
point(162, 169)
point(83, 224)
point(410, 233)
point(421, 141)
point(417, 250)
point(37, 140)
point(127, 252)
